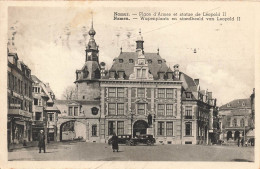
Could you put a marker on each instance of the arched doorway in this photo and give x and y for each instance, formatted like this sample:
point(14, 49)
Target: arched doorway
point(140, 127)
point(229, 135)
point(237, 135)
point(72, 130)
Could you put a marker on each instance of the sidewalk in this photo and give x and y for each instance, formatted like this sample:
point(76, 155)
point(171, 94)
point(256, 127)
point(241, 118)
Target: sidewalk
point(13, 147)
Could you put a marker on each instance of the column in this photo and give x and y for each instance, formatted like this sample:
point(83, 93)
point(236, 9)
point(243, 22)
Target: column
point(58, 133)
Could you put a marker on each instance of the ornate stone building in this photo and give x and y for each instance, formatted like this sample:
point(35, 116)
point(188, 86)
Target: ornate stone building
point(139, 94)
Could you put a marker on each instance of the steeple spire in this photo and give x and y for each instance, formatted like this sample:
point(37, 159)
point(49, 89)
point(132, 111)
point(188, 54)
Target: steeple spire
point(139, 42)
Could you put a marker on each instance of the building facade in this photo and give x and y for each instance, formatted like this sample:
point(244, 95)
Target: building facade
point(45, 113)
point(19, 91)
point(139, 94)
point(235, 119)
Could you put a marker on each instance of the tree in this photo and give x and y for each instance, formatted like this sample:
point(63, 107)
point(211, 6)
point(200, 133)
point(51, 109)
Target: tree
point(70, 93)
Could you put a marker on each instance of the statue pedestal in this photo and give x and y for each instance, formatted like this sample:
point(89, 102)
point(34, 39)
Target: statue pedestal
point(150, 130)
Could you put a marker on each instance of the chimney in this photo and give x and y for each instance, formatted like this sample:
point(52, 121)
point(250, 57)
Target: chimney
point(210, 95)
point(197, 81)
point(176, 71)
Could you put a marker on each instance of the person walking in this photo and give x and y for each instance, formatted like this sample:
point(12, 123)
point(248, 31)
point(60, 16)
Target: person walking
point(242, 142)
point(238, 142)
point(41, 141)
point(114, 142)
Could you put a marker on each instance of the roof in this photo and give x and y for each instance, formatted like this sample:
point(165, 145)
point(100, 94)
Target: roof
point(128, 67)
point(237, 103)
point(53, 108)
point(82, 102)
point(191, 85)
point(35, 79)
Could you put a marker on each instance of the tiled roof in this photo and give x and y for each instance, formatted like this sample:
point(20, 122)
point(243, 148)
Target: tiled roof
point(237, 103)
point(154, 67)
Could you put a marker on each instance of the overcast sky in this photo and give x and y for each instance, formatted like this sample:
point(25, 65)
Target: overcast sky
point(51, 42)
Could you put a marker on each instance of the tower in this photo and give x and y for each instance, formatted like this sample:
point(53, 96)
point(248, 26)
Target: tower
point(139, 42)
point(87, 78)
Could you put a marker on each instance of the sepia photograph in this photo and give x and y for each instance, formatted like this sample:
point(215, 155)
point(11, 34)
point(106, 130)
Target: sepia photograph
point(140, 82)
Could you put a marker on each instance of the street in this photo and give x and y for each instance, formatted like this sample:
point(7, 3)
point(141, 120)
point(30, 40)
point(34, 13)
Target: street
point(82, 151)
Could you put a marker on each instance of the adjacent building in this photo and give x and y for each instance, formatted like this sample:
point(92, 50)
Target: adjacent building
point(199, 113)
point(19, 91)
point(45, 113)
point(235, 119)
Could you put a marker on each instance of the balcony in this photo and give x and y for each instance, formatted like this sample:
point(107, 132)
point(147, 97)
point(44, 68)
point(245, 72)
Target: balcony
point(19, 112)
point(188, 117)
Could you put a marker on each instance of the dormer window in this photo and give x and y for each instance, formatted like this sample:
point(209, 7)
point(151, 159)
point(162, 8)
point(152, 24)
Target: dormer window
point(228, 105)
point(121, 60)
point(161, 75)
point(121, 74)
point(243, 104)
point(188, 95)
point(112, 74)
point(131, 60)
point(159, 61)
point(150, 61)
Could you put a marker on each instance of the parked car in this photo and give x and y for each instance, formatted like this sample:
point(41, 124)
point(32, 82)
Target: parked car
point(142, 139)
point(122, 139)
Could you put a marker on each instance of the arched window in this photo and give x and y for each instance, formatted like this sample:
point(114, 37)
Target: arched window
point(234, 122)
point(242, 123)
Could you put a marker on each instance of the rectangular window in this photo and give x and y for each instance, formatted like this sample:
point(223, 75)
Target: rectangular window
point(188, 112)
point(169, 128)
point(112, 92)
point(160, 128)
point(111, 127)
point(138, 73)
point(120, 92)
point(76, 109)
point(141, 92)
point(120, 109)
point(111, 109)
point(160, 111)
point(38, 116)
point(35, 101)
point(188, 129)
point(143, 73)
point(169, 110)
point(120, 128)
point(94, 130)
point(161, 93)
point(141, 108)
point(169, 93)
point(51, 117)
point(188, 95)
point(70, 111)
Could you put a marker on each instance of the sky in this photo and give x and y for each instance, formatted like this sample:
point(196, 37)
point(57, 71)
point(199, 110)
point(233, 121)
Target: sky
point(50, 41)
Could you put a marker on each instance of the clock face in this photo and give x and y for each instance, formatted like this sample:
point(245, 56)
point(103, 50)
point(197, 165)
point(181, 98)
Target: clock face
point(89, 53)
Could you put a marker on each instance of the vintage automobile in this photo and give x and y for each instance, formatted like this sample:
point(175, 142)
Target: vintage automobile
point(122, 139)
point(142, 139)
